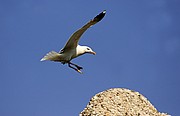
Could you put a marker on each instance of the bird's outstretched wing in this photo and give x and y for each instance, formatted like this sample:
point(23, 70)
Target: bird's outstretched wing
point(73, 40)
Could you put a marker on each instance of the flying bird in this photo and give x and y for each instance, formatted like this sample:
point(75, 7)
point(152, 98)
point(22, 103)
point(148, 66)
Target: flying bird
point(72, 49)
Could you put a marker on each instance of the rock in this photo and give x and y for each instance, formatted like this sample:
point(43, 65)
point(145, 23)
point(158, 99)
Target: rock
point(120, 102)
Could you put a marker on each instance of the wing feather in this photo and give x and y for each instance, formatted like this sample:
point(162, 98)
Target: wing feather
point(73, 40)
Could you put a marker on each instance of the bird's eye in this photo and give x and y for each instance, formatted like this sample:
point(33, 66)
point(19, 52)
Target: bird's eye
point(88, 49)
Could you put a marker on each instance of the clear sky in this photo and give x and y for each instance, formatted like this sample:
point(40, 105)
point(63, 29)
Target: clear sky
point(137, 45)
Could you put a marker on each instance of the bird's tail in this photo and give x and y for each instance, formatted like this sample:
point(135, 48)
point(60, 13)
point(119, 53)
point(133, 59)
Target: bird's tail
point(53, 56)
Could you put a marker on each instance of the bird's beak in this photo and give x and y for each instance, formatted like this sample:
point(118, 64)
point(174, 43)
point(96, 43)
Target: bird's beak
point(94, 53)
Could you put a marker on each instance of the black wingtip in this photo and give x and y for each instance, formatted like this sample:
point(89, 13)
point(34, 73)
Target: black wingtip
point(100, 16)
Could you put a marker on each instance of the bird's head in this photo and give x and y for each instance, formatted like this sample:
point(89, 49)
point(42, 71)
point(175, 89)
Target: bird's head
point(89, 50)
point(84, 49)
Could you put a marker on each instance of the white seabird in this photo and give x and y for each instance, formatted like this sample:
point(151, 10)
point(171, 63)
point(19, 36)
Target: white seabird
point(72, 49)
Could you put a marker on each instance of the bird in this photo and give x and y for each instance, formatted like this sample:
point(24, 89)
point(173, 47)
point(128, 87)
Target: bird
point(72, 49)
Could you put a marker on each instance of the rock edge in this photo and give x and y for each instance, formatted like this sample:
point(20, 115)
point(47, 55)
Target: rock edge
point(120, 102)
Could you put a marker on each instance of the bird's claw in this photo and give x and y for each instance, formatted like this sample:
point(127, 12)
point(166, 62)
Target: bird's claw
point(79, 71)
point(76, 68)
point(79, 68)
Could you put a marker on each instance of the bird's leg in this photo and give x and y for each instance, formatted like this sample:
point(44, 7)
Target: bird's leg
point(76, 69)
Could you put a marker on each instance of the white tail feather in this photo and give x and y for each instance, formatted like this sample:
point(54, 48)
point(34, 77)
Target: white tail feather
point(53, 56)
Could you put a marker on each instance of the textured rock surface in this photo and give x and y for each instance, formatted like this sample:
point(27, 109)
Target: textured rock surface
point(120, 102)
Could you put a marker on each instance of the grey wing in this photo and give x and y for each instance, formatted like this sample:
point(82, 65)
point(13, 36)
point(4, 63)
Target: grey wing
point(73, 40)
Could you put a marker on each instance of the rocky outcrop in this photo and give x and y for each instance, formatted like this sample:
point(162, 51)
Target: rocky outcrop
point(120, 102)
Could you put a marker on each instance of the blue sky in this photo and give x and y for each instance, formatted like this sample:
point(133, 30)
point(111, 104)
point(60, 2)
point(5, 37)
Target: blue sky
point(137, 45)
